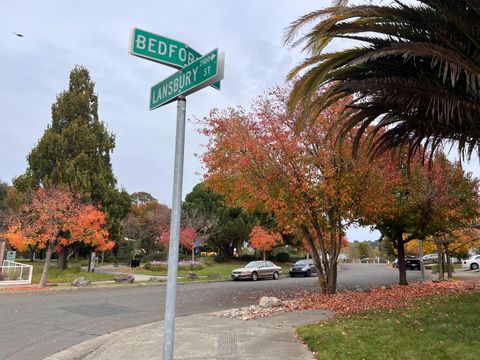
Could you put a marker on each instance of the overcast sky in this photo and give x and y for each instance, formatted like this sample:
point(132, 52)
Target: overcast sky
point(61, 34)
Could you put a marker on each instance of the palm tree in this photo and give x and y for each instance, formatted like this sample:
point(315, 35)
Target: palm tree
point(413, 71)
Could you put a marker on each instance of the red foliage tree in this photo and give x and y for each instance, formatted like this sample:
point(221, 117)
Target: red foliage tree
point(187, 238)
point(53, 219)
point(265, 241)
point(260, 160)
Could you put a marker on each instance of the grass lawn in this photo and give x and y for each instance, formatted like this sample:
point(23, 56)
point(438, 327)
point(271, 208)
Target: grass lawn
point(435, 328)
point(66, 276)
point(222, 269)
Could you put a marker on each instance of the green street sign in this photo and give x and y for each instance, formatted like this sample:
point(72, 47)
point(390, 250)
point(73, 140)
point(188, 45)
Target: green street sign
point(11, 255)
point(203, 72)
point(163, 50)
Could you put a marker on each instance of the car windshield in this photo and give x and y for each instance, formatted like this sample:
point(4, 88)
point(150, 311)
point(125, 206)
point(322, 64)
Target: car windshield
point(302, 262)
point(253, 264)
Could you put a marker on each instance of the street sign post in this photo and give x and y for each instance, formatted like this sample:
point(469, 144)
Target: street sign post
point(199, 74)
point(196, 72)
point(163, 50)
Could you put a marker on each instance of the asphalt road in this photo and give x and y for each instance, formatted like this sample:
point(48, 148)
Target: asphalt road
point(33, 326)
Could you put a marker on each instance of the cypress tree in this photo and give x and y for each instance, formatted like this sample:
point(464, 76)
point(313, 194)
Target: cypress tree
point(75, 151)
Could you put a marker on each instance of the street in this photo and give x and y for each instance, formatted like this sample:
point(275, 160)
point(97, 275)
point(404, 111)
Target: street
point(34, 326)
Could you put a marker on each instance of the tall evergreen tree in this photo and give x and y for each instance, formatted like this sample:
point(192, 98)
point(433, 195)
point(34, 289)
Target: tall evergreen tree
point(75, 151)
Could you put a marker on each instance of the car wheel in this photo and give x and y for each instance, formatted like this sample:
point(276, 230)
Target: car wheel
point(276, 275)
point(254, 276)
point(474, 266)
point(308, 273)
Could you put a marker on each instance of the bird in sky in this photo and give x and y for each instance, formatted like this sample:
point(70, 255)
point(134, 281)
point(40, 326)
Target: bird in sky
point(19, 35)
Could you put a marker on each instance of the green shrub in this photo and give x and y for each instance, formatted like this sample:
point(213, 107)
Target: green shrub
point(247, 257)
point(156, 256)
point(208, 261)
point(435, 268)
point(155, 267)
point(75, 268)
point(283, 257)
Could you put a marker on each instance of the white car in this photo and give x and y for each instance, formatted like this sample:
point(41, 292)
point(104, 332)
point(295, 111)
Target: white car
point(472, 263)
point(430, 258)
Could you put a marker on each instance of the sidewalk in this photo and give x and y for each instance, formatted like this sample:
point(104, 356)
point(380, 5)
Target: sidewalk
point(205, 337)
point(109, 269)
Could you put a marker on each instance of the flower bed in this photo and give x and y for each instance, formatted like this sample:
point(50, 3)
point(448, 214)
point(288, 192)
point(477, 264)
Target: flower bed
point(182, 265)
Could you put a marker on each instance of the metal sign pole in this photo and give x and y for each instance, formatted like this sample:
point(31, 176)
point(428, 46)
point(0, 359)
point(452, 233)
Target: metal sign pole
point(170, 296)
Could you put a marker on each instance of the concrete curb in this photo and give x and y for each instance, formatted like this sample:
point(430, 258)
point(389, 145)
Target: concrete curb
point(83, 349)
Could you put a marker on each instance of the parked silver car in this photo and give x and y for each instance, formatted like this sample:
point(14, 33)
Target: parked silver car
point(257, 270)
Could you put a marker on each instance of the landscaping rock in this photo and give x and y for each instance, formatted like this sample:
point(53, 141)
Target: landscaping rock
point(385, 287)
point(125, 278)
point(253, 312)
point(158, 278)
point(192, 276)
point(81, 282)
point(266, 301)
point(360, 290)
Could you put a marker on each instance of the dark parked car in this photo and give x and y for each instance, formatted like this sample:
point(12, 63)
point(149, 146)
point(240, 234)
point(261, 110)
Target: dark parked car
point(411, 263)
point(304, 267)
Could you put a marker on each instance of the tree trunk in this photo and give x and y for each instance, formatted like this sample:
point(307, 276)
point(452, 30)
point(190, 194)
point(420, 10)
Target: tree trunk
point(62, 259)
point(264, 256)
point(48, 257)
point(316, 259)
point(441, 275)
point(449, 262)
point(32, 253)
point(332, 281)
point(402, 270)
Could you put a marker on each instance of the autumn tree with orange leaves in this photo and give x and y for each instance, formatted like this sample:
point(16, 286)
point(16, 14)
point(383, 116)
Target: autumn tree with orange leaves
point(263, 240)
point(422, 200)
point(260, 160)
point(53, 219)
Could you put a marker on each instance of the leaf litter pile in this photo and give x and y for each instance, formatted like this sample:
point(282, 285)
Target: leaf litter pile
point(351, 302)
